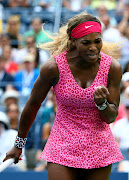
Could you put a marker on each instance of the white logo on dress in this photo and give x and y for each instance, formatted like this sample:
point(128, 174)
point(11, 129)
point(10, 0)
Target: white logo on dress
point(88, 26)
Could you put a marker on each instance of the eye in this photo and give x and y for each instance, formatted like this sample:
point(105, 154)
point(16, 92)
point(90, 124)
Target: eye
point(85, 42)
point(98, 41)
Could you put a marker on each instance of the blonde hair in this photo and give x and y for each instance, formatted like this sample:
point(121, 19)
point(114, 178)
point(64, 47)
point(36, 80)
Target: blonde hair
point(16, 19)
point(62, 41)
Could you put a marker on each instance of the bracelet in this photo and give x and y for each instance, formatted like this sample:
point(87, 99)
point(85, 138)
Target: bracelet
point(102, 106)
point(20, 142)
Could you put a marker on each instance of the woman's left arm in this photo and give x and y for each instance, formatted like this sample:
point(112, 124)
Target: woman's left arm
point(111, 94)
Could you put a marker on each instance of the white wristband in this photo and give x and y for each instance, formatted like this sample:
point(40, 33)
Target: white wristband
point(102, 106)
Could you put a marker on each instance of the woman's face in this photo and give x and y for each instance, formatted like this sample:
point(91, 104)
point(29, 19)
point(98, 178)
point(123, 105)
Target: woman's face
point(88, 47)
point(7, 52)
point(12, 24)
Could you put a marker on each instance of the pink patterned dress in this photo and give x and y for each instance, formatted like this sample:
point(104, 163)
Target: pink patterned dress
point(79, 138)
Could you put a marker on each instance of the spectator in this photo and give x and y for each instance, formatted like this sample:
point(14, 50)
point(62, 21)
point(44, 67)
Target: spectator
point(41, 56)
point(125, 19)
point(49, 113)
point(120, 5)
point(122, 11)
point(110, 34)
point(18, 3)
point(124, 86)
point(124, 95)
point(13, 29)
point(30, 46)
point(121, 112)
point(7, 137)
point(29, 42)
point(123, 166)
point(10, 96)
point(6, 40)
point(36, 31)
point(43, 3)
point(10, 66)
point(35, 52)
point(102, 11)
point(27, 76)
point(6, 80)
point(125, 48)
point(126, 68)
point(13, 115)
point(30, 150)
point(121, 132)
point(110, 4)
point(76, 5)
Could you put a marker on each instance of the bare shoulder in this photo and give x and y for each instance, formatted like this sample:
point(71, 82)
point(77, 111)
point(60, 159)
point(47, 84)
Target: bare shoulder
point(50, 64)
point(115, 65)
point(115, 68)
point(50, 70)
point(115, 71)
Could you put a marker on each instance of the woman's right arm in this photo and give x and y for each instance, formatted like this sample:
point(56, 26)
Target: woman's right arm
point(48, 75)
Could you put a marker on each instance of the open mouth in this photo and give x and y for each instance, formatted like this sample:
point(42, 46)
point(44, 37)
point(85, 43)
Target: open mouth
point(92, 56)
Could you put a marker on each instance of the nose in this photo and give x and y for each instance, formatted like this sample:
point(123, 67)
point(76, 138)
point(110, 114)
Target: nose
point(92, 47)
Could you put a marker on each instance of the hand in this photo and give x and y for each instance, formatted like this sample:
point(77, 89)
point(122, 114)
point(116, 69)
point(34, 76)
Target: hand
point(100, 94)
point(14, 153)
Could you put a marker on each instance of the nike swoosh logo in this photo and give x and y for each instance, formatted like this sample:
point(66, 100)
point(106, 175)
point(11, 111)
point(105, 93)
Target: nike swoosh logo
point(88, 26)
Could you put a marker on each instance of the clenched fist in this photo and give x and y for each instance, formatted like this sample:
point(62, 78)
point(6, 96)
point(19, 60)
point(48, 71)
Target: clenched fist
point(100, 94)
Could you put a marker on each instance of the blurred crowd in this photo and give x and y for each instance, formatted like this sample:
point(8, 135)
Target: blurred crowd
point(21, 24)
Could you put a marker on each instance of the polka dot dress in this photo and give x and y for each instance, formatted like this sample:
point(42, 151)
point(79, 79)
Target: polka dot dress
point(79, 138)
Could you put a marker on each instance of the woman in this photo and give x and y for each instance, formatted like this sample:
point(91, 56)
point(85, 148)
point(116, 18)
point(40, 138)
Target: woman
point(10, 66)
point(87, 87)
point(13, 30)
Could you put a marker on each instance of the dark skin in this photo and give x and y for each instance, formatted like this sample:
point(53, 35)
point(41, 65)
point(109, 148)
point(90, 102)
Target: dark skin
point(84, 61)
point(57, 172)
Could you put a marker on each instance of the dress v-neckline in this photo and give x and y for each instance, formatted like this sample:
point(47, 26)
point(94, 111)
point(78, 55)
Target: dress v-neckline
point(74, 77)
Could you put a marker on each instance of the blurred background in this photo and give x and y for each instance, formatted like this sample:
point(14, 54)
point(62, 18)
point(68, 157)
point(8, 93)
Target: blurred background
point(21, 24)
